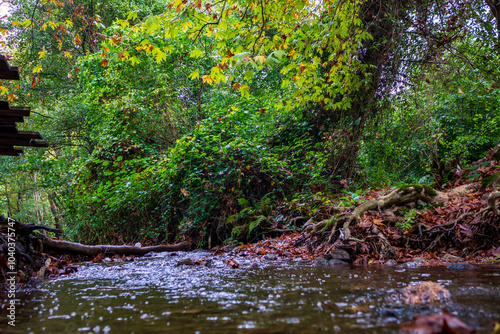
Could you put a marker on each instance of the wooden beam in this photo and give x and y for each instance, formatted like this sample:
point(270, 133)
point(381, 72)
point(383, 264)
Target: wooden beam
point(11, 151)
point(13, 74)
point(11, 119)
point(9, 127)
point(7, 110)
point(6, 71)
point(23, 142)
point(35, 143)
point(22, 134)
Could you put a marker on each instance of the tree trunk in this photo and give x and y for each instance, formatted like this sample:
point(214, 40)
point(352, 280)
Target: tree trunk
point(54, 209)
point(495, 10)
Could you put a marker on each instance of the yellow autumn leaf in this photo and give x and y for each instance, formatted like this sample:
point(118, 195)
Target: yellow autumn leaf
point(11, 97)
point(134, 60)
point(194, 75)
point(261, 59)
point(3, 90)
point(208, 79)
point(123, 23)
point(197, 53)
point(67, 54)
point(37, 69)
point(42, 54)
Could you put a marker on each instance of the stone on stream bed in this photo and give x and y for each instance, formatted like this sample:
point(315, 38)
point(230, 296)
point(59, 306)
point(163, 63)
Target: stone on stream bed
point(424, 293)
point(414, 263)
point(321, 262)
point(254, 265)
point(461, 266)
point(338, 254)
point(187, 262)
point(391, 263)
point(451, 258)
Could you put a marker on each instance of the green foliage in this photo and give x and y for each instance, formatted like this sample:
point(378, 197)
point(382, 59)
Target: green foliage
point(351, 199)
point(408, 220)
point(187, 120)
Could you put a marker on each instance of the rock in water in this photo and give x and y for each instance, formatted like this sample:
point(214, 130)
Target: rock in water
point(338, 254)
point(335, 262)
point(270, 257)
point(424, 293)
point(188, 262)
point(320, 262)
point(460, 266)
point(391, 263)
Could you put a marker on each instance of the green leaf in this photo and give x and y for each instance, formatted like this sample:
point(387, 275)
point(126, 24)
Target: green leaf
point(245, 91)
point(194, 75)
point(249, 75)
point(134, 60)
point(123, 23)
point(132, 16)
point(197, 53)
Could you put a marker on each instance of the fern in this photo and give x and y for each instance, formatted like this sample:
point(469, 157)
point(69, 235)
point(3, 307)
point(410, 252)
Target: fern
point(255, 223)
point(236, 231)
point(244, 203)
point(232, 217)
point(264, 202)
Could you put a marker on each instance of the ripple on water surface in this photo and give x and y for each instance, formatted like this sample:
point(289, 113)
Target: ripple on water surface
point(153, 295)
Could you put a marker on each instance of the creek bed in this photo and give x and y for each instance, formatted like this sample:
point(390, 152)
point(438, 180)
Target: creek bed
point(154, 295)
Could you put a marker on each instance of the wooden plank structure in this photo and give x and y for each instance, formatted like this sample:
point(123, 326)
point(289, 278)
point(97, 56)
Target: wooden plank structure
point(10, 136)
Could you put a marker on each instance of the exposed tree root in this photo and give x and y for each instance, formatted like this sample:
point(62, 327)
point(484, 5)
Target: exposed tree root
point(471, 231)
point(398, 197)
point(492, 198)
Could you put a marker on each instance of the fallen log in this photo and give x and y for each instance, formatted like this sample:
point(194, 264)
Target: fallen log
point(80, 249)
point(30, 248)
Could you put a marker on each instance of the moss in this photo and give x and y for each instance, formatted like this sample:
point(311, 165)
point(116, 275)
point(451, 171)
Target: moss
point(488, 181)
point(428, 190)
point(497, 156)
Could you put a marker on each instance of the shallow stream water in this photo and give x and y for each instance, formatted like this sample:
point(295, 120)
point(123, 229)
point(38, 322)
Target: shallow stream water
point(154, 295)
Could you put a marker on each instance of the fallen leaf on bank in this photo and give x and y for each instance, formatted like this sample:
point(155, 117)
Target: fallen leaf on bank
point(437, 323)
point(98, 258)
point(232, 263)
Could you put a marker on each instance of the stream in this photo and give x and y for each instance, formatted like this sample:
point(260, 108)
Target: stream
point(155, 295)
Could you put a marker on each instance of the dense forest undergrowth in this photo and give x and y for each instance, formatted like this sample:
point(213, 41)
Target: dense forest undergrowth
point(231, 122)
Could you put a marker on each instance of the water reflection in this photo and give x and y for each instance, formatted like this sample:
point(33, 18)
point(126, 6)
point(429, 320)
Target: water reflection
point(153, 295)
